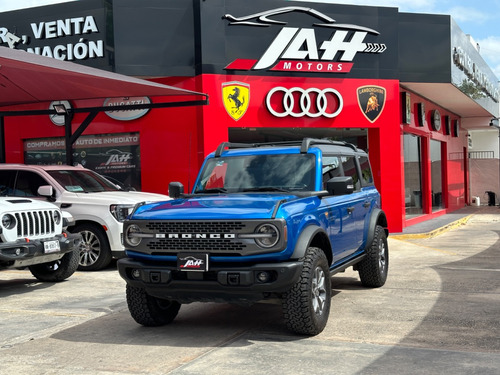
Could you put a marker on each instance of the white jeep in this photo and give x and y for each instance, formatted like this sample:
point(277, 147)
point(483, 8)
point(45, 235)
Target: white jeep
point(32, 235)
point(97, 205)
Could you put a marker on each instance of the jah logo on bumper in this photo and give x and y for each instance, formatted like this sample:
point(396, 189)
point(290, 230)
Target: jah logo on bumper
point(371, 100)
point(236, 97)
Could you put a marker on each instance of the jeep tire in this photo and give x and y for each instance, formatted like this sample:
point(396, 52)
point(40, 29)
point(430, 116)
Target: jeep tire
point(373, 268)
point(150, 311)
point(95, 253)
point(306, 306)
point(58, 270)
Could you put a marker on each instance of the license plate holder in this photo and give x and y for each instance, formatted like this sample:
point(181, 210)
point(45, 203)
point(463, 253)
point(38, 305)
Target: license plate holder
point(197, 262)
point(51, 247)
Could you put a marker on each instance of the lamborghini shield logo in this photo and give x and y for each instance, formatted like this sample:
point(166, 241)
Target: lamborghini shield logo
point(371, 100)
point(236, 96)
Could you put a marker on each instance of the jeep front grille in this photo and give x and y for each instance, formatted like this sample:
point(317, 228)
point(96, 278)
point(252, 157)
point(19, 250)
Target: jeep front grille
point(35, 223)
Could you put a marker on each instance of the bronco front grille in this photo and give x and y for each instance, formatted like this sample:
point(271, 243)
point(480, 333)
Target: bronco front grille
point(217, 237)
point(196, 244)
point(35, 223)
point(195, 226)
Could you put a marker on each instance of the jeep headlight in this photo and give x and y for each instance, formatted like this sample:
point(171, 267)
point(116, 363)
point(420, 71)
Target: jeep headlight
point(57, 217)
point(132, 235)
point(8, 221)
point(267, 235)
point(121, 211)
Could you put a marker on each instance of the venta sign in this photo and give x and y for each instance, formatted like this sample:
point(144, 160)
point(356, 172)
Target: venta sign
point(70, 39)
point(297, 49)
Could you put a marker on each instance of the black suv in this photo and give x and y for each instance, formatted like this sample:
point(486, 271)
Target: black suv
point(263, 221)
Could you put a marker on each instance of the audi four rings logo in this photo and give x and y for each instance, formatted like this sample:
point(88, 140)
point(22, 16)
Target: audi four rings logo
point(298, 102)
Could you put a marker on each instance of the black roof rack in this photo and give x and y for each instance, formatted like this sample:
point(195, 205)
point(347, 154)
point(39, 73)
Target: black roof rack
point(304, 144)
point(229, 145)
point(308, 142)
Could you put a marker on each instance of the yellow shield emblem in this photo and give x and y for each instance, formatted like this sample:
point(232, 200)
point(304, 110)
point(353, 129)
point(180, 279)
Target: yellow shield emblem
point(236, 96)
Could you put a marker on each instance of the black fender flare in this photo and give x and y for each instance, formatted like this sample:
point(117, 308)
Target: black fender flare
point(305, 239)
point(377, 217)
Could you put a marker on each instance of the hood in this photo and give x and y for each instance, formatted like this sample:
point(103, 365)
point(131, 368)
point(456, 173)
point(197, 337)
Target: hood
point(223, 207)
point(116, 197)
point(13, 204)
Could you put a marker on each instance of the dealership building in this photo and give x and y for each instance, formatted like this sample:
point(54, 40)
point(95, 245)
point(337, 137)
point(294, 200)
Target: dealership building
point(406, 87)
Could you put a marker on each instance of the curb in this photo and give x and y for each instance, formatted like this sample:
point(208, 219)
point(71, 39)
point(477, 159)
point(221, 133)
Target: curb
point(433, 233)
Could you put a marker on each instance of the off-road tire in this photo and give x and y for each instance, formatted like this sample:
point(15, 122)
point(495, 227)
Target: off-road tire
point(150, 311)
point(306, 306)
point(374, 267)
point(58, 270)
point(95, 253)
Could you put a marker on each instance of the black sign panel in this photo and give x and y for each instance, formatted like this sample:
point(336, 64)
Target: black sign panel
point(313, 39)
point(75, 32)
point(184, 38)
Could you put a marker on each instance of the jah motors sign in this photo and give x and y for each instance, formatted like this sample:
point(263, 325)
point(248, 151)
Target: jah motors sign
point(305, 49)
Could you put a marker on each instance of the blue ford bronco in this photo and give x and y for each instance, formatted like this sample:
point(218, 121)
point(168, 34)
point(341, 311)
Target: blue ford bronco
point(264, 221)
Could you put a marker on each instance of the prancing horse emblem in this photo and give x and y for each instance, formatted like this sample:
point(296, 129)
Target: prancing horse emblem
point(236, 97)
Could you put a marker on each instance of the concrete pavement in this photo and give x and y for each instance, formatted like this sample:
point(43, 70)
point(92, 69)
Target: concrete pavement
point(437, 314)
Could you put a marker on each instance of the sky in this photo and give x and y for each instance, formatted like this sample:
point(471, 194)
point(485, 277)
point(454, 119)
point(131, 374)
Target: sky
point(480, 19)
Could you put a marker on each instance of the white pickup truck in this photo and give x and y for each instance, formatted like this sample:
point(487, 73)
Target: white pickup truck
point(32, 235)
point(98, 206)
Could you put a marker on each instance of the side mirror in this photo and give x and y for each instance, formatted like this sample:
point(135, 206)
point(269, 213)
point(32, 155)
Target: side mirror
point(341, 185)
point(175, 190)
point(45, 191)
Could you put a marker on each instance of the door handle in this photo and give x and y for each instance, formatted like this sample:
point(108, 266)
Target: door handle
point(366, 204)
point(350, 210)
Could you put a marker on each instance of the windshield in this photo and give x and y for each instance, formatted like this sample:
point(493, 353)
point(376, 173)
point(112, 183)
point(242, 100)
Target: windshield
point(283, 172)
point(84, 181)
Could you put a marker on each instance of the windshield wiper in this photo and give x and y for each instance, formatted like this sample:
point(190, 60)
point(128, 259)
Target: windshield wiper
point(266, 188)
point(211, 190)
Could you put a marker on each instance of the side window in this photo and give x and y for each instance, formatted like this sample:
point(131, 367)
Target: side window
point(7, 179)
point(331, 168)
point(349, 167)
point(27, 184)
point(366, 171)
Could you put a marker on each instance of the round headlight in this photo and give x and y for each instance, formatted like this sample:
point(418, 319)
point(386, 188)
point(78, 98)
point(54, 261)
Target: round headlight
point(267, 235)
point(131, 235)
point(8, 221)
point(57, 217)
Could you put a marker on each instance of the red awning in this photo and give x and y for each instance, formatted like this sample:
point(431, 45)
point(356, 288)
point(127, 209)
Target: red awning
point(27, 78)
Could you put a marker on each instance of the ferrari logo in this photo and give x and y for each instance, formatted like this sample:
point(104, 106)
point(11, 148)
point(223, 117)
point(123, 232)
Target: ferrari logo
point(371, 100)
point(236, 96)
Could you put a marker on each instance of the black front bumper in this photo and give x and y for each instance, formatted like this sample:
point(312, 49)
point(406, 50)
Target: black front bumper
point(220, 283)
point(24, 253)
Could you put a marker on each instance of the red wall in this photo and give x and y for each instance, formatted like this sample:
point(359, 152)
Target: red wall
point(383, 134)
point(454, 160)
point(169, 138)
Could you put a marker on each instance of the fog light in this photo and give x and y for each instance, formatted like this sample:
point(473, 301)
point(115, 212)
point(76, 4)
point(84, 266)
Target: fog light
point(136, 274)
point(263, 276)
